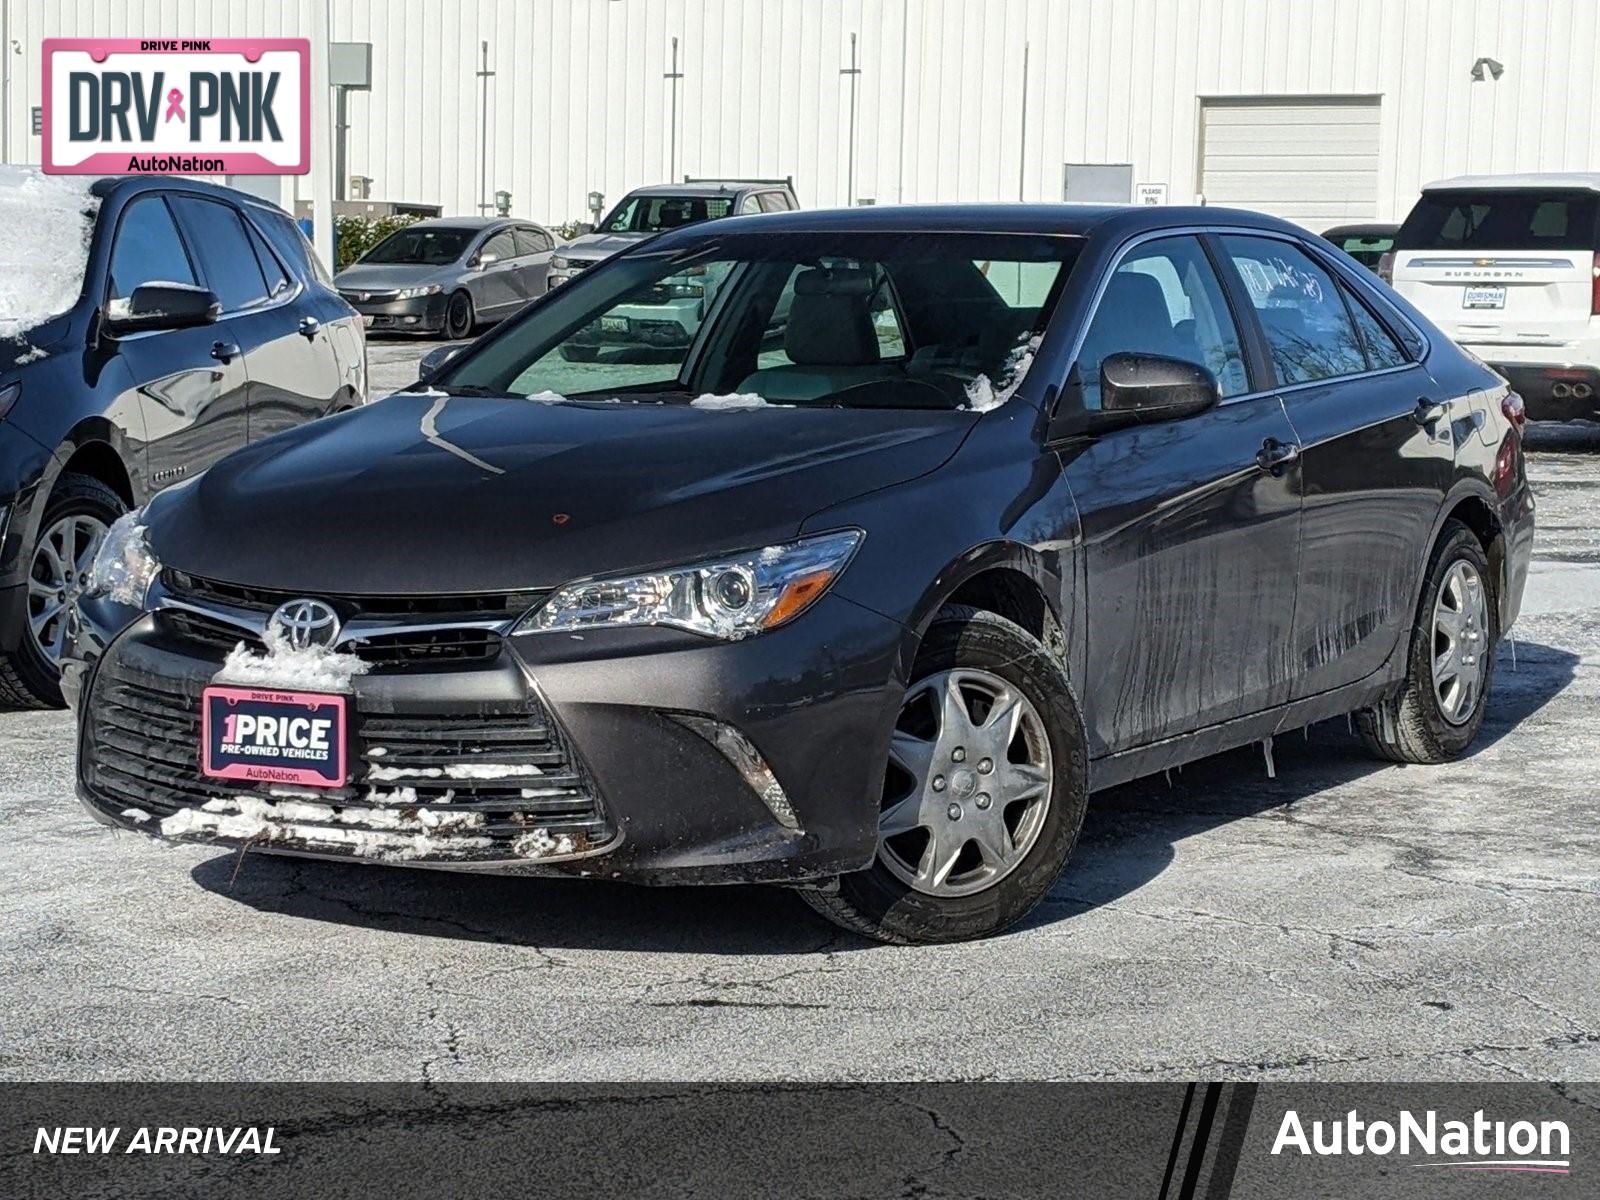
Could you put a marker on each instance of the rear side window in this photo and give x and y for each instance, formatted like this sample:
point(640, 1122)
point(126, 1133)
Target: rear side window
point(148, 249)
point(1308, 329)
point(774, 202)
point(1164, 299)
point(1492, 220)
point(286, 238)
point(1381, 348)
point(271, 269)
point(218, 235)
point(531, 241)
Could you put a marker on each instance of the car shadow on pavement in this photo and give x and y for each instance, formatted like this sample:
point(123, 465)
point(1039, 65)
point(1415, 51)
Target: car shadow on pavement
point(1128, 839)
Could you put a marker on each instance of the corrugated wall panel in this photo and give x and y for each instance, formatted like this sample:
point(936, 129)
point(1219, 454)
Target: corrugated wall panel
point(579, 102)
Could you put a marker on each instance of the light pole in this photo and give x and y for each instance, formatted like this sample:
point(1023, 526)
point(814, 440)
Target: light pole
point(672, 134)
point(485, 75)
point(854, 72)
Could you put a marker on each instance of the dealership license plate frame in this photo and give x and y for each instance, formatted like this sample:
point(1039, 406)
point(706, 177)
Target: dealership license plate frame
point(1483, 296)
point(615, 325)
point(282, 702)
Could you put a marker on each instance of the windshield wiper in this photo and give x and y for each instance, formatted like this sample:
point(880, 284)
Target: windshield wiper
point(470, 389)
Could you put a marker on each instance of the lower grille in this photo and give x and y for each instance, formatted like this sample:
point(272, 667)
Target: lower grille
point(482, 785)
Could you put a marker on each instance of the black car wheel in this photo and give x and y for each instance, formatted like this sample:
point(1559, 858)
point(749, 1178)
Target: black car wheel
point(1451, 660)
point(459, 317)
point(75, 521)
point(984, 791)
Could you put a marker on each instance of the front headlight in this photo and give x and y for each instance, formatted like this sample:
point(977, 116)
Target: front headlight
point(411, 293)
point(730, 598)
point(124, 568)
point(559, 263)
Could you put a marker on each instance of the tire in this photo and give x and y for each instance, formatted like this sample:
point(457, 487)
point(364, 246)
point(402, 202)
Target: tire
point(973, 652)
point(29, 678)
point(1429, 721)
point(459, 317)
point(582, 354)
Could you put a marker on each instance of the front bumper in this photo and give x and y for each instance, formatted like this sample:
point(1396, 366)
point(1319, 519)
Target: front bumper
point(647, 797)
point(421, 314)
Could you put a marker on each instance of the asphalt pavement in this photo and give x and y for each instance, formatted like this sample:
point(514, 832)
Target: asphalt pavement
point(1345, 920)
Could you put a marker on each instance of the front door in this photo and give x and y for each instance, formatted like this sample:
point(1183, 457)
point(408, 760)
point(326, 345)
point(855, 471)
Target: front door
point(191, 383)
point(1190, 527)
point(496, 288)
point(1378, 447)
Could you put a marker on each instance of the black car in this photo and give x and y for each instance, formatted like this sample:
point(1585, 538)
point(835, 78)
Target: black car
point(201, 325)
point(1027, 502)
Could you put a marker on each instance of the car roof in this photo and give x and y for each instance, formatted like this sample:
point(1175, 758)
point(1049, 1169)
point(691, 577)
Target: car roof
point(1064, 219)
point(1363, 229)
point(1562, 180)
point(464, 222)
point(708, 187)
point(121, 186)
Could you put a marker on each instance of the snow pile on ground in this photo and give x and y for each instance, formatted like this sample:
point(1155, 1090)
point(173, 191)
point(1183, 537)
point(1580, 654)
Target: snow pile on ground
point(983, 395)
point(45, 225)
point(314, 669)
point(385, 833)
point(728, 403)
point(540, 843)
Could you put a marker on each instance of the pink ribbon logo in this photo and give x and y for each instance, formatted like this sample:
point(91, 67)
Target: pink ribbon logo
point(175, 105)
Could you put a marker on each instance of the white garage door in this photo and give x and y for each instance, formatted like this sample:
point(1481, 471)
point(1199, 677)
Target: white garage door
point(1314, 161)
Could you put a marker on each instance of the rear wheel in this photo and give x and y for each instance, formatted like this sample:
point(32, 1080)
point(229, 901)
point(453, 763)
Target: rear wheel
point(80, 511)
point(1438, 713)
point(984, 791)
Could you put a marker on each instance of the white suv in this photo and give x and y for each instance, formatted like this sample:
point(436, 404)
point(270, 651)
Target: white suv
point(1506, 265)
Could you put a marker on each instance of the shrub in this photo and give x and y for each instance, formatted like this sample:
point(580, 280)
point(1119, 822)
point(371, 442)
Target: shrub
point(354, 236)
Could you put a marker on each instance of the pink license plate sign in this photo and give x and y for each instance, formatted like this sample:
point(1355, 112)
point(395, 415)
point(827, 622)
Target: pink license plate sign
point(269, 736)
point(155, 106)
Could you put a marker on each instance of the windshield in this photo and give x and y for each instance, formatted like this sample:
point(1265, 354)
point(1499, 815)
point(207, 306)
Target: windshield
point(1501, 220)
point(433, 247)
point(884, 320)
point(652, 214)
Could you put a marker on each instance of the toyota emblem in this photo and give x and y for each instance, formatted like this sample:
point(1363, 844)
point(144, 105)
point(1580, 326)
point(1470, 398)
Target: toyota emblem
point(305, 623)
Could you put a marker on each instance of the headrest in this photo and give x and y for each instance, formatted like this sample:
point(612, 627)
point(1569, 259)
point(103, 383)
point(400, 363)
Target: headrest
point(835, 281)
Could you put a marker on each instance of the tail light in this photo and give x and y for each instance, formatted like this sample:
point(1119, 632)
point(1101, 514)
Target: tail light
point(1594, 294)
point(1386, 268)
point(1515, 411)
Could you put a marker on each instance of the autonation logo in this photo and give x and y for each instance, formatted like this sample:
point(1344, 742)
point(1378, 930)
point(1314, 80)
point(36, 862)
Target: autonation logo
point(1479, 1144)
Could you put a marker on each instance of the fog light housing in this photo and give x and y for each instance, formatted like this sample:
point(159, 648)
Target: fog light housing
point(747, 760)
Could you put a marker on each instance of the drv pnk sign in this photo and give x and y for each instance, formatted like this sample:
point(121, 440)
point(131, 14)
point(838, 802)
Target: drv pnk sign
point(238, 106)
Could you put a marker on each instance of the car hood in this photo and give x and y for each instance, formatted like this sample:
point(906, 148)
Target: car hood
point(592, 247)
point(377, 276)
point(424, 493)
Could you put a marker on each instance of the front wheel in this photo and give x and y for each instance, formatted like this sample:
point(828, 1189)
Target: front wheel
point(984, 790)
point(459, 317)
point(1450, 665)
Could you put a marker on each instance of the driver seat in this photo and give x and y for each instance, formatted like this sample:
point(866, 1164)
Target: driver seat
point(830, 339)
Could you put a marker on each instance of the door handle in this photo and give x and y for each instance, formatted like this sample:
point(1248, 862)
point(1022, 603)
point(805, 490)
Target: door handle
point(1274, 455)
point(1428, 411)
point(224, 351)
point(309, 327)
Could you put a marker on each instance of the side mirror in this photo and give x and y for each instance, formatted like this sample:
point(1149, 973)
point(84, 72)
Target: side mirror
point(162, 306)
point(434, 361)
point(483, 260)
point(1139, 388)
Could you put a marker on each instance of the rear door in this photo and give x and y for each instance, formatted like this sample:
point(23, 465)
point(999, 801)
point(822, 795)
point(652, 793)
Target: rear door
point(192, 388)
point(1191, 527)
point(1501, 266)
point(534, 247)
point(1377, 446)
point(288, 359)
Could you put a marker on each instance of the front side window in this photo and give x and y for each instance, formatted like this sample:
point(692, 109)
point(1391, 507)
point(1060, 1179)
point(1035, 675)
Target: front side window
point(750, 204)
point(148, 249)
point(1304, 319)
point(499, 248)
point(217, 233)
point(1164, 299)
point(435, 246)
point(816, 320)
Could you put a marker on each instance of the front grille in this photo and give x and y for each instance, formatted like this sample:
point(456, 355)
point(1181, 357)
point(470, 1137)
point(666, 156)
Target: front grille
point(401, 650)
point(360, 297)
point(509, 766)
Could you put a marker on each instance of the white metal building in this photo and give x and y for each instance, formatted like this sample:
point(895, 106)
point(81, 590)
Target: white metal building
point(1320, 110)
